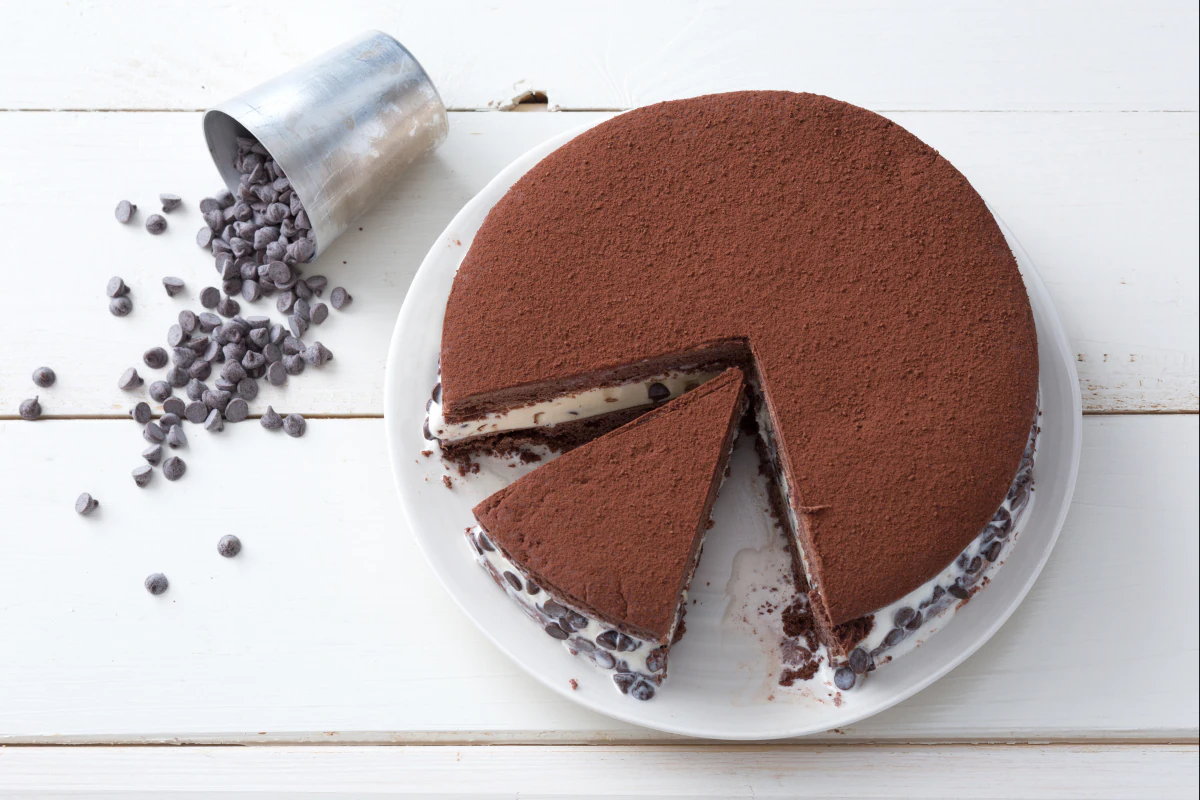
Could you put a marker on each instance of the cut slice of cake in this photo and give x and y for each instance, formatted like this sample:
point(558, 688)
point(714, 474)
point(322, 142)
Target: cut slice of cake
point(599, 545)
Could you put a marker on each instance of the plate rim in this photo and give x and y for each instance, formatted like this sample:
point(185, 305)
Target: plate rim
point(1055, 331)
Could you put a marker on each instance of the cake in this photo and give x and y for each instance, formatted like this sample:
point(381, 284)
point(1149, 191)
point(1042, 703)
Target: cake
point(849, 270)
point(599, 545)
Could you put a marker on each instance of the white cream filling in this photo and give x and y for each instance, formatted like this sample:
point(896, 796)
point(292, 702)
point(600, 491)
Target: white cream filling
point(567, 408)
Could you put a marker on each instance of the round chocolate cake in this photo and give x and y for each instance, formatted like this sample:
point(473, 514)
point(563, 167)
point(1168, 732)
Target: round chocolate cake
point(853, 274)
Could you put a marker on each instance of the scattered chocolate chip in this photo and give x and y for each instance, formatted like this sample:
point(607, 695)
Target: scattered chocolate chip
point(237, 410)
point(129, 380)
point(276, 373)
point(170, 202)
point(156, 224)
point(116, 287)
point(142, 475)
point(210, 296)
point(204, 237)
point(178, 377)
point(294, 425)
point(172, 284)
point(860, 661)
point(319, 313)
point(173, 405)
point(125, 211)
point(209, 204)
point(317, 354)
point(120, 306)
point(44, 377)
point(298, 325)
point(153, 454)
point(156, 583)
point(176, 437)
point(316, 284)
point(229, 545)
point(228, 307)
point(173, 468)
point(167, 420)
point(214, 423)
point(247, 388)
point(160, 391)
point(85, 504)
point(844, 678)
point(183, 357)
point(293, 364)
point(271, 420)
point(141, 413)
point(339, 298)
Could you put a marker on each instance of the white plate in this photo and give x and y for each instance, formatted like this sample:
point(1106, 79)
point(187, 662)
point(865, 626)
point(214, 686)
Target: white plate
point(722, 682)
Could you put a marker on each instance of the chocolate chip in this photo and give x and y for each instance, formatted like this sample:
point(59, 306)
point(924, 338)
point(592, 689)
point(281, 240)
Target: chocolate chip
point(658, 392)
point(298, 325)
point(549, 608)
point(232, 371)
point(975, 566)
point(293, 365)
point(176, 335)
point(531, 587)
point(271, 420)
point(615, 640)
point(167, 420)
point(303, 250)
point(574, 621)
point(172, 284)
point(178, 377)
point(204, 237)
point(319, 313)
point(486, 544)
point(209, 204)
point(142, 475)
point(903, 616)
point(625, 681)
point(160, 390)
point(153, 454)
point(208, 321)
point(958, 592)
point(156, 224)
point(604, 659)
point(129, 380)
point(844, 678)
point(292, 346)
point(1003, 521)
point(214, 219)
point(116, 287)
point(992, 551)
point(657, 660)
point(294, 425)
point(247, 388)
point(914, 623)
point(196, 388)
point(210, 296)
point(339, 298)
point(156, 583)
point(237, 410)
point(276, 373)
point(228, 307)
point(173, 405)
point(251, 293)
point(85, 504)
point(176, 437)
point(44, 377)
point(317, 354)
point(173, 468)
point(301, 290)
point(196, 411)
point(229, 545)
point(893, 637)
point(141, 413)
point(317, 284)
point(436, 395)
point(556, 632)
point(584, 645)
point(513, 580)
point(170, 202)
point(120, 306)
point(860, 661)
point(125, 211)
point(641, 690)
point(183, 357)
point(214, 423)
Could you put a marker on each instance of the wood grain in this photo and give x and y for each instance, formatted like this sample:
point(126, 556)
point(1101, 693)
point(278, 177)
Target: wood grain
point(593, 772)
point(927, 55)
point(330, 627)
point(1106, 205)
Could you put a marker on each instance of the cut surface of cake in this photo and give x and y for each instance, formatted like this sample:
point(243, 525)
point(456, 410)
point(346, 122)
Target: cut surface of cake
point(599, 545)
point(849, 270)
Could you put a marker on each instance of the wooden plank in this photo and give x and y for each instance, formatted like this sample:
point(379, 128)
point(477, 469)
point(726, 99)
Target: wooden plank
point(1115, 244)
point(928, 55)
point(329, 626)
point(1164, 771)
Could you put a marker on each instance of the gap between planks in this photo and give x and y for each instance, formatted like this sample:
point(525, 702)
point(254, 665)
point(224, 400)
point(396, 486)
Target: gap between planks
point(365, 415)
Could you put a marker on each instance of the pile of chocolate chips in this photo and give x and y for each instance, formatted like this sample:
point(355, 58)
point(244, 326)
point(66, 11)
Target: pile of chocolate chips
point(259, 238)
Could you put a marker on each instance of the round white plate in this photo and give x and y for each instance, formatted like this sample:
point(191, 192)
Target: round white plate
point(723, 680)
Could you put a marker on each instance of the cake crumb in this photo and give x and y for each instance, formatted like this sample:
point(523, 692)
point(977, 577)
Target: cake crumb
point(427, 453)
point(449, 484)
point(574, 684)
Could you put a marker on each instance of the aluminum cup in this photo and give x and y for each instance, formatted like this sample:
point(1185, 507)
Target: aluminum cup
point(342, 126)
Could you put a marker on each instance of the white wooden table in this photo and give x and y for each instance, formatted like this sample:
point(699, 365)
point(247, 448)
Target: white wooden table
point(1077, 121)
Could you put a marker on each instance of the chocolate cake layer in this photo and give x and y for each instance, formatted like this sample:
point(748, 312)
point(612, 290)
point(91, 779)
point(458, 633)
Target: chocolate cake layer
point(613, 528)
point(882, 309)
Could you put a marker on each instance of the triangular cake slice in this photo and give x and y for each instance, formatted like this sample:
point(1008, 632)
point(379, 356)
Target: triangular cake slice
point(598, 546)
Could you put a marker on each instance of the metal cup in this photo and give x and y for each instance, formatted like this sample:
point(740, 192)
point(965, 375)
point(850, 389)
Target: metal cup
point(342, 127)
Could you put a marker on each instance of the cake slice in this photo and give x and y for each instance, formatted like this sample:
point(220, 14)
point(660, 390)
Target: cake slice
point(599, 545)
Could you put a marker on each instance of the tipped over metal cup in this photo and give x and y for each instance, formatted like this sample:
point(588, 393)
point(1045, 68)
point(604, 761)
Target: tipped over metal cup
point(342, 127)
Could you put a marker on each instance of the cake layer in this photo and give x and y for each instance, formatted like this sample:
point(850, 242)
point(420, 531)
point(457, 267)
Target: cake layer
point(857, 269)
